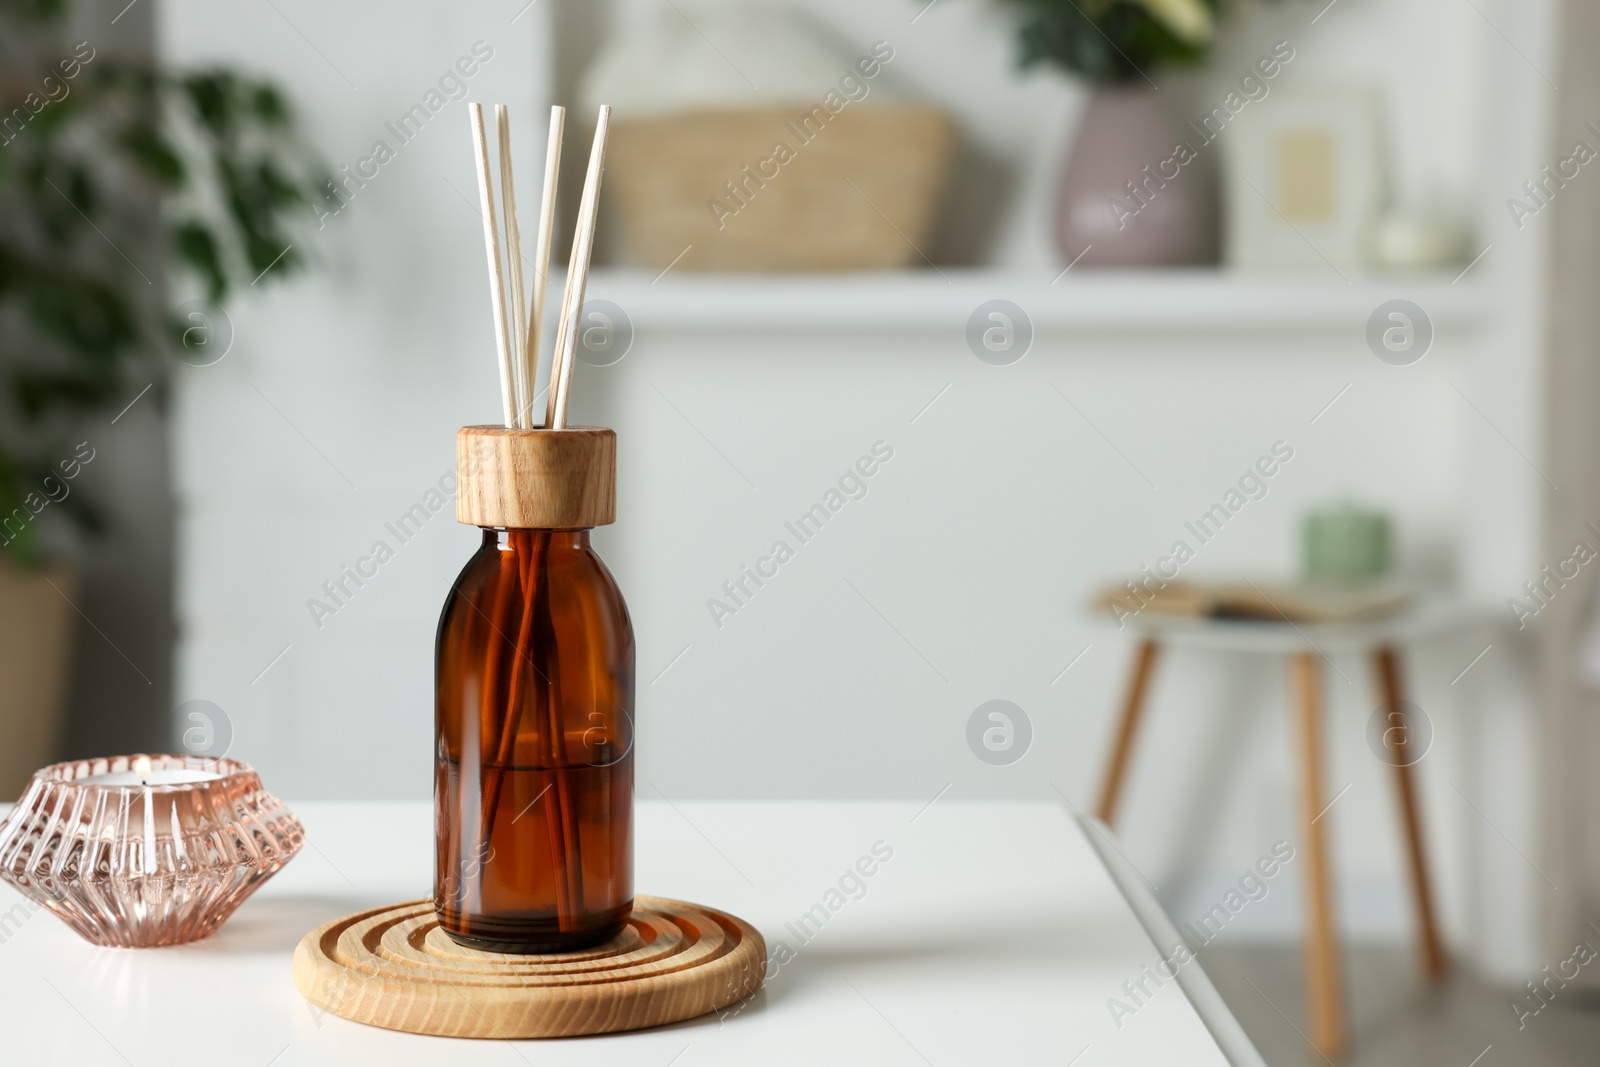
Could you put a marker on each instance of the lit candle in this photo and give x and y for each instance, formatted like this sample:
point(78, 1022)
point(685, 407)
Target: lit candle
point(142, 774)
point(180, 776)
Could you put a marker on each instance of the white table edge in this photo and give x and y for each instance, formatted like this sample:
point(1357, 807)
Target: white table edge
point(1192, 979)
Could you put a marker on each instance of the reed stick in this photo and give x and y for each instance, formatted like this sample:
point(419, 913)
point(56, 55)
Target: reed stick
point(566, 813)
point(521, 383)
point(529, 551)
point(577, 277)
point(488, 720)
point(491, 241)
point(541, 256)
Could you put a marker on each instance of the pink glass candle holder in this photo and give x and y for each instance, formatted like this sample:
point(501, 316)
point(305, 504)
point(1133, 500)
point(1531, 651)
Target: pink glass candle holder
point(139, 851)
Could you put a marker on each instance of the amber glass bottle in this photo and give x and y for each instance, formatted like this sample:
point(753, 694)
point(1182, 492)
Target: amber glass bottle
point(533, 792)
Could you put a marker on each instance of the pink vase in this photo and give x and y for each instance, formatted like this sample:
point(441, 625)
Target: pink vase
point(1139, 188)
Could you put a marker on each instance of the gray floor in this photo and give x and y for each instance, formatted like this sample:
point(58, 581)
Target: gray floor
point(1395, 1020)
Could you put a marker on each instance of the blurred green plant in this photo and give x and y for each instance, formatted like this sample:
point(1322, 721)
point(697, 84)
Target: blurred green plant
point(199, 171)
point(1115, 41)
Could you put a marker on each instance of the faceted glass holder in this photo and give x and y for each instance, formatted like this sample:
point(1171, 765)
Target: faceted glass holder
point(139, 851)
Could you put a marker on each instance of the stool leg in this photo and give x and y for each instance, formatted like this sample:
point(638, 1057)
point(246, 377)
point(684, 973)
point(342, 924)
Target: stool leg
point(1324, 988)
point(1144, 662)
point(1434, 962)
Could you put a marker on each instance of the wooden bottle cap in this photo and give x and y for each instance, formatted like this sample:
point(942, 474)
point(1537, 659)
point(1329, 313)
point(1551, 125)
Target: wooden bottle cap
point(536, 479)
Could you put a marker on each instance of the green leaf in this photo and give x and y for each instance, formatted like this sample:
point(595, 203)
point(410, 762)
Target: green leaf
point(39, 391)
point(209, 95)
point(269, 106)
point(36, 11)
point(280, 190)
point(1103, 40)
point(147, 148)
point(197, 247)
point(94, 320)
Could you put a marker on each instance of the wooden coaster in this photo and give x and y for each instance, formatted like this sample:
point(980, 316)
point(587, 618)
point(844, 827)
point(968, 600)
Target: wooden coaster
point(393, 967)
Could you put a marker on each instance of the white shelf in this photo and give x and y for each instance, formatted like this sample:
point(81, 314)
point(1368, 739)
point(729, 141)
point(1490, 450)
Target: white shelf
point(1213, 301)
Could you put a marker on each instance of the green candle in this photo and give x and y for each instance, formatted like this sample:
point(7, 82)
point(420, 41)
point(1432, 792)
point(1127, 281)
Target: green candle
point(1345, 543)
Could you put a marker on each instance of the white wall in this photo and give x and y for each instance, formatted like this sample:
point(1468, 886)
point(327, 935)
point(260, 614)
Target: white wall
point(979, 541)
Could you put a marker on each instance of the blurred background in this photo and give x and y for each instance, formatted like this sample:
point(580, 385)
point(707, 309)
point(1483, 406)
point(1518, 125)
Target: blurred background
point(1071, 277)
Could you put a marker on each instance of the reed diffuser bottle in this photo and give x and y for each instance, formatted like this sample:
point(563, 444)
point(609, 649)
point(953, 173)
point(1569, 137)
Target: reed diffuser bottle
point(534, 702)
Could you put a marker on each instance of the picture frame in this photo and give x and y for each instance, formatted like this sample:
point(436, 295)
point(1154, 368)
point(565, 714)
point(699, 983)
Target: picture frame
point(1304, 182)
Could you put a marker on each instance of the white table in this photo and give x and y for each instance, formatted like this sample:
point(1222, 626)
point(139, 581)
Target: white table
point(996, 933)
point(1427, 618)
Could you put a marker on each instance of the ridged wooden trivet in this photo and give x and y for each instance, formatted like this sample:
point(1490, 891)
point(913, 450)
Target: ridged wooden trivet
point(393, 967)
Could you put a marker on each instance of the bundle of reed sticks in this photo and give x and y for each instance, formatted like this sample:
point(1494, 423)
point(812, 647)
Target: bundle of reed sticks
point(519, 309)
point(519, 312)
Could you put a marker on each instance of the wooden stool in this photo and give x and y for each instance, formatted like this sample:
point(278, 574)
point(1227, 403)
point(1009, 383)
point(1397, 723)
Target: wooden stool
point(1300, 644)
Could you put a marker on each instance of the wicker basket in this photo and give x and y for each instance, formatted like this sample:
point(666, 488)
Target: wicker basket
point(781, 189)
